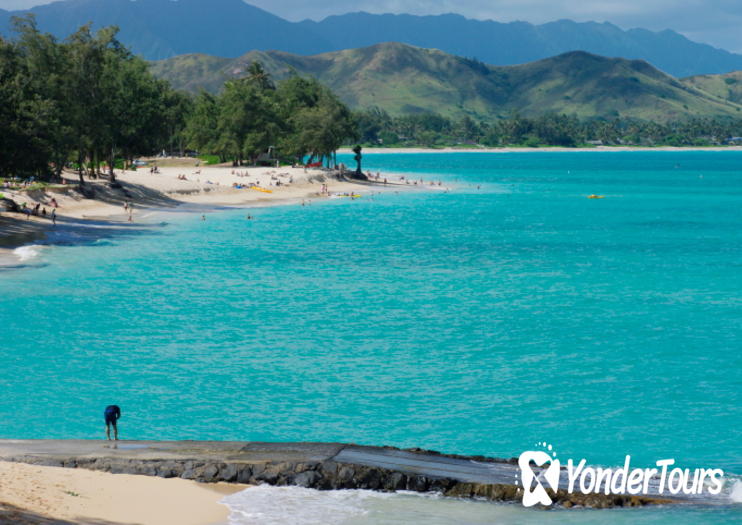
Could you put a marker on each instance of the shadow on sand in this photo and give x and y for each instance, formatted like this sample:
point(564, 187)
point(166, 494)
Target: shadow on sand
point(10, 514)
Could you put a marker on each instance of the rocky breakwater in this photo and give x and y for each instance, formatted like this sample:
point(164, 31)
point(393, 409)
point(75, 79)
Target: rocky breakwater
point(323, 466)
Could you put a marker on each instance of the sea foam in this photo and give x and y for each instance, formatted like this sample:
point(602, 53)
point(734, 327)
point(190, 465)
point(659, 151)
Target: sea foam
point(267, 505)
point(736, 493)
point(26, 253)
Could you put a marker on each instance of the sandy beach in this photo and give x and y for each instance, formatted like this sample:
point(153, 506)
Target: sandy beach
point(177, 182)
point(32, 494)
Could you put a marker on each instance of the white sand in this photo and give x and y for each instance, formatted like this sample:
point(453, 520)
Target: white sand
point(85, 496)
point(207, 185)
point(179, 181)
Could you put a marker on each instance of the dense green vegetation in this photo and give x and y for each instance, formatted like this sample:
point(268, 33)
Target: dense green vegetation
point(252, 116)
point(377, 128)
point(406, 80)
point(85, 101)
point(88, 102)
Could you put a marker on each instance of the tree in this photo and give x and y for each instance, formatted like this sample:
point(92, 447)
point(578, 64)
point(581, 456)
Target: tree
point(248, 121)
point(35, 106)
point(201, 125)
point(318, 123)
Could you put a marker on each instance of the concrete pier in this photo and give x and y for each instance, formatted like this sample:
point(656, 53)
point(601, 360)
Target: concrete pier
point(323, 466)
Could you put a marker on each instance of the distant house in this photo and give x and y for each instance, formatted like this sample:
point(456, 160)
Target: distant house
point(595, 142)
point(734, 140)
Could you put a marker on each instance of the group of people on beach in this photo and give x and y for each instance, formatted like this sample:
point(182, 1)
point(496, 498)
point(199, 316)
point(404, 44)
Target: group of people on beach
point(39, 211)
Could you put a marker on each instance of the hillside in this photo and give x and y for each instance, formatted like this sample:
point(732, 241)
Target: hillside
point(727, 87)
point(159, 29)
point(404, 79)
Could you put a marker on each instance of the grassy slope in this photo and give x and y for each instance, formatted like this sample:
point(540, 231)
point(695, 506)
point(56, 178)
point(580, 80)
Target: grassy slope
point(193, 72)
point(727, 87)
point(405, 79)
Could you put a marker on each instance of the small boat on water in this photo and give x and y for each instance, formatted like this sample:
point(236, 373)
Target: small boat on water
point(593, 196)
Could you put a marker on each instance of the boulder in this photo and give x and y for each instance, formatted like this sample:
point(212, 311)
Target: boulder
point(210, 473)
point(244, 474)
point(228, 472)
point(9, 205)
point(307, 479)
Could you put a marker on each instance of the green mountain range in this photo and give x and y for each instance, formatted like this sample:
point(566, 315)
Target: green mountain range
point(403, 79)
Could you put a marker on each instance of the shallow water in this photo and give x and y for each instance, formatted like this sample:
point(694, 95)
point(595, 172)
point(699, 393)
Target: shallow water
point(479, 321)
point(266, 505)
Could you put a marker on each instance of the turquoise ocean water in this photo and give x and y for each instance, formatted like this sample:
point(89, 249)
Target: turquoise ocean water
point(508, 311)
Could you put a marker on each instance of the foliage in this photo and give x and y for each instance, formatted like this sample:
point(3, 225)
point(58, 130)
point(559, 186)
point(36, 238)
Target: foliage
point(88, 102)
point(406, 80)
point(297, 118)
point(209, 160)
point(86, 99)
point(377, 128)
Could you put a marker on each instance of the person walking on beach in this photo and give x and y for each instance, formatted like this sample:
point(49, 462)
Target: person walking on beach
point(111, 414)
point(54, 216)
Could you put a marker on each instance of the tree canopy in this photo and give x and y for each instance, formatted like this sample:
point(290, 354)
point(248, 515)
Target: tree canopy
point(299, 117)
point(376, 127)
point(88, 101)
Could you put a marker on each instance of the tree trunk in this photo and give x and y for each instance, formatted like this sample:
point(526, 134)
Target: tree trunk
point(80, 167)
point(58, 168)
point(110, 167)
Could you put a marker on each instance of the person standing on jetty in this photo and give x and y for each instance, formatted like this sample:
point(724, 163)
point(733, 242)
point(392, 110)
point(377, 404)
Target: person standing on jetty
point(111, 414)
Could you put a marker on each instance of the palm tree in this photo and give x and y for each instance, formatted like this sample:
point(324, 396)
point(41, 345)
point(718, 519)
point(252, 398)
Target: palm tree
point(256, 73)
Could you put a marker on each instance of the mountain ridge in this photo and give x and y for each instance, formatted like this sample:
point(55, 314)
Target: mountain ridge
point(159, 29)
point(163, 28)
point(404, 79)
point(521, 42)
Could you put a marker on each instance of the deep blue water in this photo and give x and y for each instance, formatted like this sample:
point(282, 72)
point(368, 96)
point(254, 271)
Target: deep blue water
point(478, 321)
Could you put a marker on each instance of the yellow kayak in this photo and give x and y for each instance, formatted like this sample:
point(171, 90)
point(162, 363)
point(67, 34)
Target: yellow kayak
point(258, 188)
point(593, 196)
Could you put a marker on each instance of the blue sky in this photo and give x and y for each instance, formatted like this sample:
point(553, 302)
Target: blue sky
point(717, 22)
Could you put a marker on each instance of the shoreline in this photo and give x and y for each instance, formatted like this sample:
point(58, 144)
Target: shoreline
point(35, 494)
point(555, 149)
point(180, 186)
point(314, 465)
